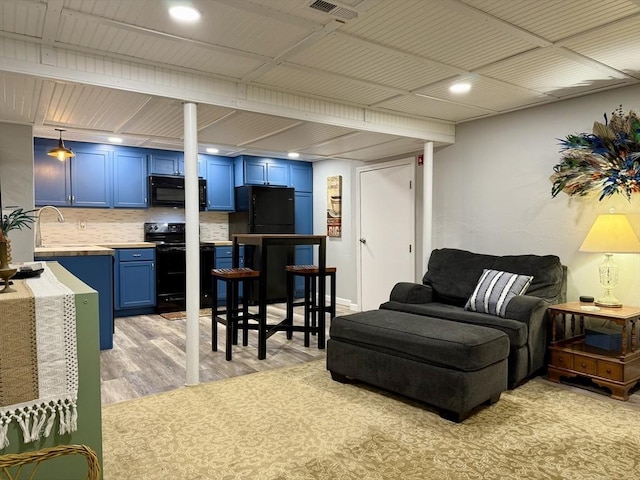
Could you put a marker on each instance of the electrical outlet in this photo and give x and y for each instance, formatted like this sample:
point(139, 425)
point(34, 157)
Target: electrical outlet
point(82, 225)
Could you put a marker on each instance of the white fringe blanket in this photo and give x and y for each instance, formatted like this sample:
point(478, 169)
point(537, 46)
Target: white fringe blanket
point(52, 361)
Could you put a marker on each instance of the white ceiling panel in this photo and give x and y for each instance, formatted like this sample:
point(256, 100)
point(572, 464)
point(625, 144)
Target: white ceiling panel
point(485, 94)
point(325, 85)
point(339, 54)
point(436, 31)
point(553, 19)
point(349, 76)
point(243, 127)
point(548, 71)
point(391, 148)
point(347, 143)
point(615, 45)
point(25, 18)
point(416, 105)
point(74, 105)
point(301, 136)
point(19, 101)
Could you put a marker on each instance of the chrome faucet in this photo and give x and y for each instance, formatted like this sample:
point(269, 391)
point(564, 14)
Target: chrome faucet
point(38, 234)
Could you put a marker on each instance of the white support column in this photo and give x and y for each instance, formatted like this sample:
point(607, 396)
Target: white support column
point(192, 221)
point(427, 204)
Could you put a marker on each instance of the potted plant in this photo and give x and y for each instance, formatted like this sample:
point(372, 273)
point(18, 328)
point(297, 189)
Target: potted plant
point(16, 220)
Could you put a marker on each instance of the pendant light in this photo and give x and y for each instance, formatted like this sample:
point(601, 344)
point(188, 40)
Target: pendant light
point(61, 152)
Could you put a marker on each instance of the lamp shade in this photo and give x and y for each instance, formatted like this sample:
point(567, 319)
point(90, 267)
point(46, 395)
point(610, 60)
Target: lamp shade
point(61, 152)
point(611, 233)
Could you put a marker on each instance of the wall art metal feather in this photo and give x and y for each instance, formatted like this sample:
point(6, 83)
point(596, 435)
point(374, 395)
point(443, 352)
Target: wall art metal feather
point(602, 163)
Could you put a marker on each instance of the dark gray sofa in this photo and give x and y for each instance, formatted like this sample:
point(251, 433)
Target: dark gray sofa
point(450, 280)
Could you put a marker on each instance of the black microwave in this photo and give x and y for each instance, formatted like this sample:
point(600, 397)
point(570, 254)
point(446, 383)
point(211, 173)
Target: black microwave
point(168, 191)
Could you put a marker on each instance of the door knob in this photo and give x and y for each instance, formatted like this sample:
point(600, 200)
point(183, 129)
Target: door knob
point(363, 240)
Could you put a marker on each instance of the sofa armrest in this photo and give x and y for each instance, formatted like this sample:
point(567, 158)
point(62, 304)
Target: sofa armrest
point(523, 307)
point(407, 292)
point(532, 311)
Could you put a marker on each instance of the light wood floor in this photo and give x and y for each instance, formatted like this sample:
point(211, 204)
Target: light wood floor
point(148, 356)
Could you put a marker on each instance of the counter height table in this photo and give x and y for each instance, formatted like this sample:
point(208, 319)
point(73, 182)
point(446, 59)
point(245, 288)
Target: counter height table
point(263, 242)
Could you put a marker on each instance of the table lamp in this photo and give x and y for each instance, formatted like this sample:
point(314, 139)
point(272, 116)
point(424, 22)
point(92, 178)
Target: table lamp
point(610, 233)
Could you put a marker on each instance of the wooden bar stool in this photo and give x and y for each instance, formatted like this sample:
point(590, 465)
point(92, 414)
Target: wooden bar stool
point(310, 273)
point(233, 314)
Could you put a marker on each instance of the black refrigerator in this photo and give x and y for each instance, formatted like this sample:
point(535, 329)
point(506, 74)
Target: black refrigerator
point(264, 209)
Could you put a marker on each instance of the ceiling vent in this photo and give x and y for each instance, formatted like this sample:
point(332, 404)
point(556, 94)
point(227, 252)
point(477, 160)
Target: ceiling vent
point(333, 10)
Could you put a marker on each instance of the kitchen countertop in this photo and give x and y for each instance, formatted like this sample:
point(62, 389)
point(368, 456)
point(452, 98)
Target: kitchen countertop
point(80, 250)
point(104, 248)
point(71, 251)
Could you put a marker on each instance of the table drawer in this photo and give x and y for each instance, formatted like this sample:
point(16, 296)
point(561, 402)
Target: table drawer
point(562, 360)
point(584, 365)
point(612, 371)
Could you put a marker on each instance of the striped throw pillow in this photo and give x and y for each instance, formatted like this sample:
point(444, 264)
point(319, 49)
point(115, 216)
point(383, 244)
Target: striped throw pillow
point(494, 291)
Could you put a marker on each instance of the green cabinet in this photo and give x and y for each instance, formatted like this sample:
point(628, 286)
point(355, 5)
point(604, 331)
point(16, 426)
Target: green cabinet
point(89, 431)
point(134, 281)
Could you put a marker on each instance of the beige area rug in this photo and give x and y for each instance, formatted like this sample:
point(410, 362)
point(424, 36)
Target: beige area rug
point(296, 423)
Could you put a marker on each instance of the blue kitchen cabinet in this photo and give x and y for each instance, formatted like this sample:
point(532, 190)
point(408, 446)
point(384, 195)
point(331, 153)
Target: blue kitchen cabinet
point(81, 181)
point(91, 176)
point(135, 281)
point(219, 176)
point(223, 259)
point(166, 163)
point(261, 171)
point(97, 272)
point(304, 226)
point(52, 181)
point(301, 175)
point(130, 178)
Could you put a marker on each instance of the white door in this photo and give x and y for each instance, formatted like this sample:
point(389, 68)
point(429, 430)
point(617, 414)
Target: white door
point(386, 230)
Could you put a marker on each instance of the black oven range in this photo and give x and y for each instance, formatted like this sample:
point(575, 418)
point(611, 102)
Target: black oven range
point(171, 276)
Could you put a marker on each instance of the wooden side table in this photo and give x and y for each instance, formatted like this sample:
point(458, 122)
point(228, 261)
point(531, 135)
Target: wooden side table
point(617, 370)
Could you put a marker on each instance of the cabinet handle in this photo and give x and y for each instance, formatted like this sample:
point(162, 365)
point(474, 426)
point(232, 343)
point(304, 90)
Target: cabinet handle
point(583, 365)
point(608, 370)
point(560, 360)
point(137, 255)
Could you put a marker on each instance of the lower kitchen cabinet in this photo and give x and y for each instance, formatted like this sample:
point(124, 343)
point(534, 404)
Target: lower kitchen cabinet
point(135, 281)
point(97, 272)
point(223, 259)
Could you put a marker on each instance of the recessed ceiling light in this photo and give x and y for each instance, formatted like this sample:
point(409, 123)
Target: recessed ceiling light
point(460, 88)
point(184, 13)
point(115, 139)
point(293, 155)
point(212, 150)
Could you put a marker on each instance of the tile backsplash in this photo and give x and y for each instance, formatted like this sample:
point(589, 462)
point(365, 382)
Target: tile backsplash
point(120, 225)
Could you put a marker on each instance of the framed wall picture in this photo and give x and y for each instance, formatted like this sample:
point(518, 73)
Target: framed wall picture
point(334, 206)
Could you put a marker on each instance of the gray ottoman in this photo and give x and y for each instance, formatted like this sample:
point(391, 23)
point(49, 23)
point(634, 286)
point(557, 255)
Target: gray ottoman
point(453, 366)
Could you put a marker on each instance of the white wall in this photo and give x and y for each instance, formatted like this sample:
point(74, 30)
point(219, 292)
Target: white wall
point(492, 192)
point(341, 252)
point(16, 182)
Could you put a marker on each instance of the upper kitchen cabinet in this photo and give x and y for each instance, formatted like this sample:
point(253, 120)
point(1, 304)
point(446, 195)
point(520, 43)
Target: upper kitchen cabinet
point(301, 176)
point(129, 178)
point(261, 171)
point(166, 163)
point(82, 181)
point(219, 176)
